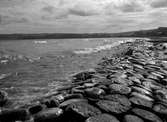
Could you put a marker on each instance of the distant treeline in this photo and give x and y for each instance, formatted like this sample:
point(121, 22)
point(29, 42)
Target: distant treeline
point(160, 32)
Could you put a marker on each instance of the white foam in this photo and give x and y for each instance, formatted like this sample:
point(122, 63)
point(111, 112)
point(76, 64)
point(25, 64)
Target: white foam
point(101, 47)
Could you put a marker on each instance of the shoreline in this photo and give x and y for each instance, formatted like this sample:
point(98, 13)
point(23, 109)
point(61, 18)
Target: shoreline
point(119, 76)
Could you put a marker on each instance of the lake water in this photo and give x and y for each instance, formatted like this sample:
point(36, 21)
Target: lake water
point(32, 68)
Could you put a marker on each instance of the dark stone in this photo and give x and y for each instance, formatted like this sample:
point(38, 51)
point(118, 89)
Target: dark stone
point(102, 118)
point(159, 108)
point(3, 98)
point(13, 115)
point(51, 103)
point(132, 118)
point(94, 93)
point(118, 88)
point(82, 110)
point(35, 109)
point(82, 76)
point(49, 115)
point(113, 106)
point(141, 102)
point(147, 115)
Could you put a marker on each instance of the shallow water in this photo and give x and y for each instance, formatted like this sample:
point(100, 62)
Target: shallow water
point(36, 67)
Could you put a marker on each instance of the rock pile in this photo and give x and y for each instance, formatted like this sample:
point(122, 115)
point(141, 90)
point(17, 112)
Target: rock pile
point(128, 87)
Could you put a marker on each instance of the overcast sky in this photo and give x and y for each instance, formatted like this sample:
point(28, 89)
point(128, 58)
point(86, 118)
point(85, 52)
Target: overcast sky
point(81, 16)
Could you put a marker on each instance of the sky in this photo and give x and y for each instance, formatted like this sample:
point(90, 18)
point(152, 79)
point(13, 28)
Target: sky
point(81, 16)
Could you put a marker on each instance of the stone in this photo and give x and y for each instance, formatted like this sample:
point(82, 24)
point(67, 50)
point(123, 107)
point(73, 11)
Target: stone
point(122, 99)
point(3, 98)
point(82, 110)
point(141, 102)
point(142, 96)
point(147, 115)
point(141, 90)
point(159, 108)
point(35, 109)
point(70, 101)
point(94, 93)
point(135, 80)
point(11, 115)
point(112, 106)
point(161, 95)
point(82, 76)
point(102, 118)
point(132, 118)
point(118, 88)
point(49, 115)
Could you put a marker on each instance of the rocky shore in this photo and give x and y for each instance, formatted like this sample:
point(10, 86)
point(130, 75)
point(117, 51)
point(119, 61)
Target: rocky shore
point(129, 86)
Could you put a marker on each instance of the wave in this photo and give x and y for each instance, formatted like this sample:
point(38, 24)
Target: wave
point(101, 47)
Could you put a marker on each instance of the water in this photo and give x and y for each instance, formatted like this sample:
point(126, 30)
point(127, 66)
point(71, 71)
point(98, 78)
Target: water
point(33, 68)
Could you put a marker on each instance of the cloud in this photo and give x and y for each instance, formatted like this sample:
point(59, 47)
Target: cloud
point(159, 4)
point(5, 19)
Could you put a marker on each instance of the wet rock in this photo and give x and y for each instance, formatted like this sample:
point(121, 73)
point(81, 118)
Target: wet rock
point(132, 118)
point(102, 118)
point(118, 88)
point(147, 115)
point(70, 101)
point(123, 100)
point(159, 108)
point(49, 115)
point(51, 103)
point(149, 84)
point(3, 98)
point(72, 96)
point(141, 102)
point(141, 90)
point(13, 115)
point(35, 109)
point(142, 96)
point(112, 106)
point(94, 93)
point(82, 110)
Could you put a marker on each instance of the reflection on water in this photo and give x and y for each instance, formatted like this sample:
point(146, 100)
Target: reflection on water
point(31, 68)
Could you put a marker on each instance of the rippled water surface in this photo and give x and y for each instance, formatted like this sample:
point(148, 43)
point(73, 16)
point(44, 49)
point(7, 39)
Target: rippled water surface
point(32, 68)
